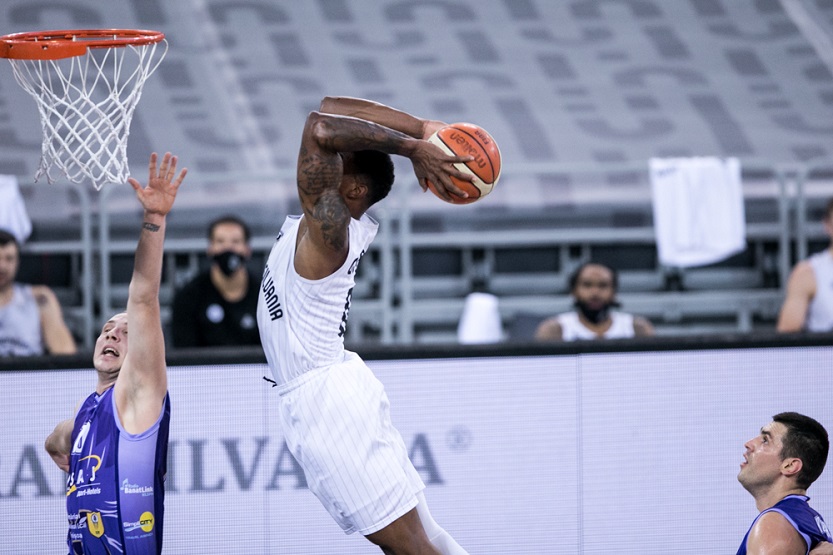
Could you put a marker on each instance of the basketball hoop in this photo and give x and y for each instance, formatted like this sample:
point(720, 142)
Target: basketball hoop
point(87, 84)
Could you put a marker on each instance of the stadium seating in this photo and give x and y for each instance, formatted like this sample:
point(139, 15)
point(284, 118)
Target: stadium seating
point(579, 95)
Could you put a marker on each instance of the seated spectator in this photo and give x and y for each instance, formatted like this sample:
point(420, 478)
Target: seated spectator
point(593, 287)
point(31, 320)
point(808, 305)
point(219, 306)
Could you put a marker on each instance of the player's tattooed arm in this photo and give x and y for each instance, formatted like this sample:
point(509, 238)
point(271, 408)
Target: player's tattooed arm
point(348, 134)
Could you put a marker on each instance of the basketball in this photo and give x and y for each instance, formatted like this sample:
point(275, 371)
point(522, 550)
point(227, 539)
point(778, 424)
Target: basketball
point(468, 139)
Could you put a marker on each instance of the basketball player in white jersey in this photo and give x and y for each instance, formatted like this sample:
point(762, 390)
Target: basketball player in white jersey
point(334, 413)
point(808, 305)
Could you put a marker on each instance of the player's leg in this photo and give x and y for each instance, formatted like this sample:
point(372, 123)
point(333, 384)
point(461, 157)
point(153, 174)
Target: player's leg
point(409, 534)
point(438, 537)
point(404, 536)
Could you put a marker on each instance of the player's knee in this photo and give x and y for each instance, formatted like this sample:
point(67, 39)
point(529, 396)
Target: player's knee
point(414, 545)
point(404, 536)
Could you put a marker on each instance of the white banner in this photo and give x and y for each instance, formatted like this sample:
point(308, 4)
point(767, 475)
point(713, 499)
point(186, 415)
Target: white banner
point(628, 453)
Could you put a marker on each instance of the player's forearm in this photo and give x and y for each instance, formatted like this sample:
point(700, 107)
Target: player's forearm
point(58, 338)
point(375, 112)
point(348, 134)
point(58, 442)
point(789, 323)
point(147, 266)
point(793, 314)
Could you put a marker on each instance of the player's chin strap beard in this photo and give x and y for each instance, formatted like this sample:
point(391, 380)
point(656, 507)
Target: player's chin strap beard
point(595, 315)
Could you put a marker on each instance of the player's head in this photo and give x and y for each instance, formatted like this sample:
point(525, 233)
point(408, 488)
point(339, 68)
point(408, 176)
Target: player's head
point(9, 259)
point(228, 244)
point(593, 286)
point(807, 440)
point(111, 346)
point(373, 169)
point(792, 446)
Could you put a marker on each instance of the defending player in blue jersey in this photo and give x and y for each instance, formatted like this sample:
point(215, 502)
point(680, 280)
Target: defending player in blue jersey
point(779, 465)
point(115, 448)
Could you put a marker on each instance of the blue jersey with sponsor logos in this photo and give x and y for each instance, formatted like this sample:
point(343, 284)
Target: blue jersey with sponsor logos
point(115, 485)
point(803, 518)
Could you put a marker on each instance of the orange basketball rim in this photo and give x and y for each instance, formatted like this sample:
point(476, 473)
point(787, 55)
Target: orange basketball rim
point(56, 45)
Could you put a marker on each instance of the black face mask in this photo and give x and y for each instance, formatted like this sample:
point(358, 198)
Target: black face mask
point(228, 262)
point(595, 316)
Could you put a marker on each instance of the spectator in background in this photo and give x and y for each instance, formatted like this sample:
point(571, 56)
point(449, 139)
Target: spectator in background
point(808, 305)
point(31, 320)
point(219, 306)
point(593, 286)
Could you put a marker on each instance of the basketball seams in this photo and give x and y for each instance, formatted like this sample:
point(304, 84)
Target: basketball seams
point(470, 140)
point(476, 140)
point(476, 189)
point(478, 181)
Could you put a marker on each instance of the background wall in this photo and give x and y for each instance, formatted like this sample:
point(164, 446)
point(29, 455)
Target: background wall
point(586, 453)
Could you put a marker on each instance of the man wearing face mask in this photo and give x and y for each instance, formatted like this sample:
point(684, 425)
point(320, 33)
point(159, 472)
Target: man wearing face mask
point(593, 287)
point(219, 306)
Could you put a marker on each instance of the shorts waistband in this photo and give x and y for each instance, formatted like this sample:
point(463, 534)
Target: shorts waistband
point(306, 377)
point(315, 373)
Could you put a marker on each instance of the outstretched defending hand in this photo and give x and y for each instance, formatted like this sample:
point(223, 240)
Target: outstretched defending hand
point(158, 197)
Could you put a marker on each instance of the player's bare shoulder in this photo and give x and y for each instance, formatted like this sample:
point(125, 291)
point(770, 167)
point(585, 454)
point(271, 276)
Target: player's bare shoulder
point(775, 532)
point(44, 296)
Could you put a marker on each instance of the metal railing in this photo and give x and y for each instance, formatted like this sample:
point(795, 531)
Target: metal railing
point(397, 305)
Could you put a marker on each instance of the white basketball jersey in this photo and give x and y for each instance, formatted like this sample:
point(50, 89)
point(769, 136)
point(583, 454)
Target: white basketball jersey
point(572, 328)
point(301, 321)
point(820, 312)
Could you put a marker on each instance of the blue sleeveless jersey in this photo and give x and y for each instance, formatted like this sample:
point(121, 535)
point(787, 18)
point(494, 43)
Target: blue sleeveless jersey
point(115, 485)
point(803, 518)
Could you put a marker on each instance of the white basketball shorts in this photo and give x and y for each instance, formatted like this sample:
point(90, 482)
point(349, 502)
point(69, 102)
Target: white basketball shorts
point(336, 422)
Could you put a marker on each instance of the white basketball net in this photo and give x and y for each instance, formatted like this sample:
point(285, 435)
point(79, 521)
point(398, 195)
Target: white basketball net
point(86, 104)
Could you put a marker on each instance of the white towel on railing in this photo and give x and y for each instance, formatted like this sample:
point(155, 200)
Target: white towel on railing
point(698, 209)
point(13, 215)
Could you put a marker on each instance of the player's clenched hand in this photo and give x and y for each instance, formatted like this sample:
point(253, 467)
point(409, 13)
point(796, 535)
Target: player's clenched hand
point(434, 165)
point(59, 443)
point(62, 460)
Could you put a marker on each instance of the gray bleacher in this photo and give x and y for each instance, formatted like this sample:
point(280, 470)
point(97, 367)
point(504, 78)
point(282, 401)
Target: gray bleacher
point(579, 95)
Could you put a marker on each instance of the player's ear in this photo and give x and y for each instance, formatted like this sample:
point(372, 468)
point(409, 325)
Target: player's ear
point(357, 188)
point(791, 466)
